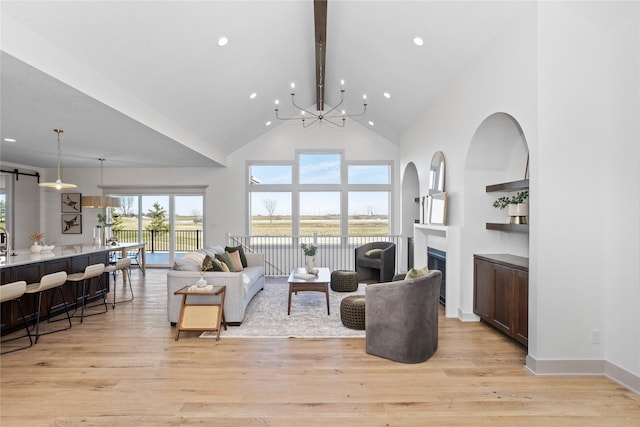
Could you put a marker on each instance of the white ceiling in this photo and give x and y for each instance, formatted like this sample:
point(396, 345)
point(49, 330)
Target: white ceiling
point(145, 84)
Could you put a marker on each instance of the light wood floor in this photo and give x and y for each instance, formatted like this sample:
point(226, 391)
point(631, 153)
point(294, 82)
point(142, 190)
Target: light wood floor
point(124, 368)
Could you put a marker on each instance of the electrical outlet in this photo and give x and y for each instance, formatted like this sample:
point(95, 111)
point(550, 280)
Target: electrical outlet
point(595, 336)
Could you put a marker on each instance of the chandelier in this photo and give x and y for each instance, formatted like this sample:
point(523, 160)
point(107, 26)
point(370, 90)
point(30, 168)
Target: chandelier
point(58, 184)
point(335, 116)
point(101, 201)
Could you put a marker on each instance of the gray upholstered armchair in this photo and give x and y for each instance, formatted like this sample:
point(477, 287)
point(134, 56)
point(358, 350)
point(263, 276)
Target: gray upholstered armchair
point(401, 318)
point(380, 267)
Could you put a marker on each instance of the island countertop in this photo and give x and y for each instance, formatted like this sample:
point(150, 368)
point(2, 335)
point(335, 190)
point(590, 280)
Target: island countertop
point(24, 256)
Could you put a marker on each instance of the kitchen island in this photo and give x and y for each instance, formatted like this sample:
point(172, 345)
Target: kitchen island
point(31, 267)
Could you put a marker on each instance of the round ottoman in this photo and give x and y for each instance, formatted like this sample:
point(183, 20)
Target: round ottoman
point(352, 312)
point(344, 281)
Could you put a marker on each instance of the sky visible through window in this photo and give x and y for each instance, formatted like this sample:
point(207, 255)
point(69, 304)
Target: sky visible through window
point(185, 205)
point(321, 169)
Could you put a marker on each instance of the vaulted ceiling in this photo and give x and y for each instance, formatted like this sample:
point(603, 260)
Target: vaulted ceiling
point(146, 84)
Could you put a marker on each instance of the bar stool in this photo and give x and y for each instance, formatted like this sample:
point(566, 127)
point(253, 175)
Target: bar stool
point(47, 282)
point(94, 270)
point(124, 265)
point(12, 292)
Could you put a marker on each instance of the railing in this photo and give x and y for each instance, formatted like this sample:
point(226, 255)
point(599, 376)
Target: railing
point(158, 241)
point(283, 253)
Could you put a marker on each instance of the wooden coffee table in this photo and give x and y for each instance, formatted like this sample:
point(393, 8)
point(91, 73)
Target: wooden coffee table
point(319, 283)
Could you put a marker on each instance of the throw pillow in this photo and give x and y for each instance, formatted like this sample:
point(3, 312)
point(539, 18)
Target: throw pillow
point(182, 264)
point(235, 258)
point(239, 249)
point(225, 257)
point(198, 257)
point(211, 264)
point(414, 273)
point(373, 253)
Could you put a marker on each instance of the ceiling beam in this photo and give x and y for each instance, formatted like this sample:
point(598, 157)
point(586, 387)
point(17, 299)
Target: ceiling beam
point(320, 18)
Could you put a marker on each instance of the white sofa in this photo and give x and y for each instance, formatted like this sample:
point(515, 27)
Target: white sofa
point(241, 288)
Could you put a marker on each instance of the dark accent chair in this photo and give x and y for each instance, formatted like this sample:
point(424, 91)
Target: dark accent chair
point(402, 318)
point(379, 269)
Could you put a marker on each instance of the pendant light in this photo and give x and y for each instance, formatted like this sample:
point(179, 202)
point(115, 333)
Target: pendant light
point(101, 201)
point(58, 184)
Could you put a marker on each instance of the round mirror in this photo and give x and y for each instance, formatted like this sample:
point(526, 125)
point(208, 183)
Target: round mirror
point(436, 173)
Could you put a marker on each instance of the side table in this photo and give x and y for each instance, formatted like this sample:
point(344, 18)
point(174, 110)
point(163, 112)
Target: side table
point(201, 317)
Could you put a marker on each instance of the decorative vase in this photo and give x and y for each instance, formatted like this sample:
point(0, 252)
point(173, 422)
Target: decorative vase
point(310, 264)
point(97, 236)
point(35, 248)
point(201, 283)
point(518, 213)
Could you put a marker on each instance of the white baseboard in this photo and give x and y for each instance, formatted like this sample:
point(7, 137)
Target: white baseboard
point(584, 368)
point(467, 317)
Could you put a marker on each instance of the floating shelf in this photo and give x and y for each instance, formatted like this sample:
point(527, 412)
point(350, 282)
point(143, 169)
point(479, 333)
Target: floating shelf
point(522, 184)
point(523, 228)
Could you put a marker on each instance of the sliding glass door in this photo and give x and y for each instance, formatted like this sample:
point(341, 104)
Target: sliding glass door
point(169, 224)
point(188, 232)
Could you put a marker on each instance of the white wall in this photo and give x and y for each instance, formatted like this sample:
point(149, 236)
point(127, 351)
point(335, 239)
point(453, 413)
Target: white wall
point(622, 192)
point(568, 73)
point(589, 133)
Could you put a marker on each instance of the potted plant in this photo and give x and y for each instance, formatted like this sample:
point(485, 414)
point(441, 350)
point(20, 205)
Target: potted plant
point(310, 257)
point(517, 208)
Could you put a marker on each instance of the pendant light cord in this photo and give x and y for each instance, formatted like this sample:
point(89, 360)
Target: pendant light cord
point(58, 131)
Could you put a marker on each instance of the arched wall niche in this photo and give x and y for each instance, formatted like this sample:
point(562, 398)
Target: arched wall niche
point(497, 153)
point(410, 208)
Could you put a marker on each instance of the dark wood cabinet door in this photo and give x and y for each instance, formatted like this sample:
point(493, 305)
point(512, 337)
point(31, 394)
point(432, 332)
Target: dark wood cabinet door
point(503, 297)
point(483, 292)
point(501, 293)
point(521, 286)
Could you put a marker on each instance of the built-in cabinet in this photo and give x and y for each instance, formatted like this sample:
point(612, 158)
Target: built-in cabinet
point(501, 293)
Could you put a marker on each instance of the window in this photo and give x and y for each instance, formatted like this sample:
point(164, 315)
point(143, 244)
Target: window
point(368, 213)
point(270, 174)
point(369, 174)
point(271, 213)
point(320, 213)
point(319, 168)
point(319, 193)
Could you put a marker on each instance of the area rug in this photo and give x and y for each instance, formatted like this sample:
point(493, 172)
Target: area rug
point(266, 315)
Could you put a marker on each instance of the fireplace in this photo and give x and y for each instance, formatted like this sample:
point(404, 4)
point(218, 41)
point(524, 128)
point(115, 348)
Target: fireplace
point(437, 260)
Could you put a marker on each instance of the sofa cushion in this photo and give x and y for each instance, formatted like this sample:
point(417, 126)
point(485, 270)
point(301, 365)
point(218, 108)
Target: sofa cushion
point(188, 264)
point(197, 256)
point(211, 264)
point(414, 273)
point(373, 253)
point(226, 258)
point(252, 274)
point(369, 262)
point(235, 259)
point(240, 250)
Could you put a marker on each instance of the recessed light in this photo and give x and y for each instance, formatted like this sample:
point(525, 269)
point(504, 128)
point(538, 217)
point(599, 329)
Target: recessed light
point(268, 123)
point(10, 140)
point(253, 95)
point(418, 41)
point(371, 123)
point(387, 95)
point(222, 41)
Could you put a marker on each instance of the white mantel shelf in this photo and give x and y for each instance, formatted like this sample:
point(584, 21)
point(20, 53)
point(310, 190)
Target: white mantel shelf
point(434, 227)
